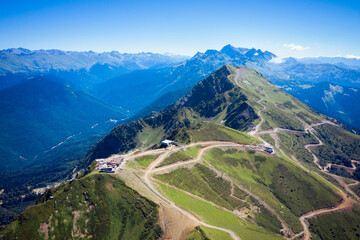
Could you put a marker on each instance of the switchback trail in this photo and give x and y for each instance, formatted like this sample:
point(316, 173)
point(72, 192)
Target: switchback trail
point(209, 145)
point(168, 205)
point(257, 128)
point(169, 208)
point(175, 228)
point(152, 166)
point(345, 204)
point(227, 178)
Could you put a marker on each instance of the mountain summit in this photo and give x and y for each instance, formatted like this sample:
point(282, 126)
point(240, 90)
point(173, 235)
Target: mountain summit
point(229, 96)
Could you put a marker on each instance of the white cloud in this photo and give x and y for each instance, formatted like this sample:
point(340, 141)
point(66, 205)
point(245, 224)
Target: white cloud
point(352, 56)
point(277, 60)
point(295, 47)
point(336, 89)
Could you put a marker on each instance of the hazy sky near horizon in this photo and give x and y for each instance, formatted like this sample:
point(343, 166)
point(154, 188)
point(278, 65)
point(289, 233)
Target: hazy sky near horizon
point(286, 28)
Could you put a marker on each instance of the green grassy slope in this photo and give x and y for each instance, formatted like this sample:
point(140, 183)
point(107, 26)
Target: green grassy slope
point(216, 234)
point(145, 161)
point(267, 138)
point(217, 217)
point(282, 109)
point(197, 234)
point(340, 147)
point(337, 226)
point(284, 186)
point(356, 189)
point(288, 189)
point(175, 157)
point(93, 207)
point(184, 155)
point(201, 181)
point(209, 131)
point(294, 145)
point(205, 233)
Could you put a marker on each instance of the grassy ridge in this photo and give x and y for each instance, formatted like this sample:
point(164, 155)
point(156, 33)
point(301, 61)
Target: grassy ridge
point(192, 151)
point(212, 131)
point(208, 131)
point(282, 109)
point(144, 161)
point(96, 206)
point(175, 157)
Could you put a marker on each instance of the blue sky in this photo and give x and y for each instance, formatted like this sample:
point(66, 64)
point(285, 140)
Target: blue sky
point(287, 28)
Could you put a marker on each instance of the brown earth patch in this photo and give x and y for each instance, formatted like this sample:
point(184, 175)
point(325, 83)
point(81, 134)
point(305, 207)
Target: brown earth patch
point(44, 230)
point(76, 230)
point(109, 186)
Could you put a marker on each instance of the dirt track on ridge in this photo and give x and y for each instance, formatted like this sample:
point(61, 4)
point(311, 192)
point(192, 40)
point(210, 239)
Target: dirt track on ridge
point(344, 205)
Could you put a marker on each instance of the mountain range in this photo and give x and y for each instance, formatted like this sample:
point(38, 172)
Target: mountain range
point(17, 60)
point(56, 104)
point(81, 69)
point(105, 74)
point(221, 182)
point(349, 62)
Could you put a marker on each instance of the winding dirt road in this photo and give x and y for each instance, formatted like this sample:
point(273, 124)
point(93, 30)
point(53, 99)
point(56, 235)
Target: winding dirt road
point(151, 167)
point(309, 146)
point(344, 205)
point(176, 231)
point(168, 206)
point(257, 128)
point(176, 221)
point(171, 214)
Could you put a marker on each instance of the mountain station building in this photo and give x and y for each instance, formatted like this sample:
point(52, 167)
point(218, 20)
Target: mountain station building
point(167, 143)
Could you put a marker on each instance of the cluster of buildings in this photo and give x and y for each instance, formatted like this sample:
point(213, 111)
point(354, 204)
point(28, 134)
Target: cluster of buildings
point(110, 165)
